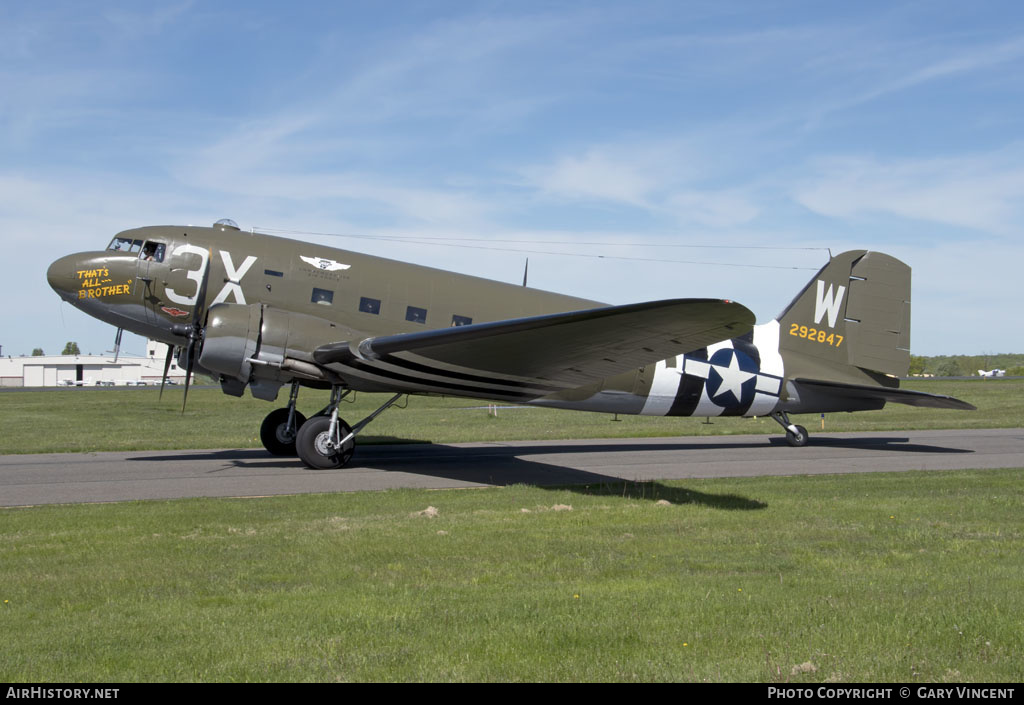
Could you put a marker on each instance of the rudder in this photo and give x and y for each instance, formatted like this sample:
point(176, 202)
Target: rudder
point(854, 313)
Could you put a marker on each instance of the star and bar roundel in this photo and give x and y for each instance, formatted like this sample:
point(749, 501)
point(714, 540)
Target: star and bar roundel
point(725, 380)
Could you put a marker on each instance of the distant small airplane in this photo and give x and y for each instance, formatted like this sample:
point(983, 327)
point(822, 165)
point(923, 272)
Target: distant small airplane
point(260, 312)
point(991, 373)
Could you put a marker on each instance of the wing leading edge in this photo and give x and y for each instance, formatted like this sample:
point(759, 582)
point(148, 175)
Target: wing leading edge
point(543, 354)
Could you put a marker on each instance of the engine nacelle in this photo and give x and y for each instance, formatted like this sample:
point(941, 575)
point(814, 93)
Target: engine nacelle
point(253, 344)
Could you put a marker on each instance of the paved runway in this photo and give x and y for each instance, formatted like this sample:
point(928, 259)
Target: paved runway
point(111, 477)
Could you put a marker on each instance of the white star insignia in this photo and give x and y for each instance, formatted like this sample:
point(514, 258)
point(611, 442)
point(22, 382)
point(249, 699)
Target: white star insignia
point(732, 379)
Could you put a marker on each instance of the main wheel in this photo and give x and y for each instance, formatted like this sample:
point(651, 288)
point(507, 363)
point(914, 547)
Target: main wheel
point(312, 444)
point(274, 433)
point(798, 439)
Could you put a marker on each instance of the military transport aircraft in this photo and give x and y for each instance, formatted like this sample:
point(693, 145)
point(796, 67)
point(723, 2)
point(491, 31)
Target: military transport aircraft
point(260, 312)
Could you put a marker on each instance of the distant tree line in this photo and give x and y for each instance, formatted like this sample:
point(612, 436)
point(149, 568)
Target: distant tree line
point(966, 365)
point(70, 348)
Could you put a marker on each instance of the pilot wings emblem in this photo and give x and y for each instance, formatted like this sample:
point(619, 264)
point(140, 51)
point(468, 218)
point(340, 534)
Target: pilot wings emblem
point(328, 265)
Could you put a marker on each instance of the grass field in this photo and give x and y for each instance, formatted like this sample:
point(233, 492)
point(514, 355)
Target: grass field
point(893, 577)
point(910, 577)
point(81, 420)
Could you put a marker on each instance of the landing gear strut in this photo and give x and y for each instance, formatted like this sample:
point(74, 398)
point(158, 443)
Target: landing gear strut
point(796, 436)
point(326, 441)
point(281, 427)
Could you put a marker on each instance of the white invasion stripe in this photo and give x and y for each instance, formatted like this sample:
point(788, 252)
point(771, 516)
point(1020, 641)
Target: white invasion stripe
point(766, 338)
point(724, 345)
point(390, 384)
point(706, 407)
point(762, 405)
point(439, 376)
point(498, 376)
point(664, 387)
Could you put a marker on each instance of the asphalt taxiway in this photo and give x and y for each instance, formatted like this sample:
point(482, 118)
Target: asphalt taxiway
point(61, 478)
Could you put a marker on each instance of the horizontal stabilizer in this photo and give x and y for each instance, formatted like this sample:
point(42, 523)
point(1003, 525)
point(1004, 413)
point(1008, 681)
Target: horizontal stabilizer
point(565, 349)
point(898, 396)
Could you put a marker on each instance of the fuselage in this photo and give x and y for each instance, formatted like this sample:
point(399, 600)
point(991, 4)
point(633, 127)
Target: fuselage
point(150, 281)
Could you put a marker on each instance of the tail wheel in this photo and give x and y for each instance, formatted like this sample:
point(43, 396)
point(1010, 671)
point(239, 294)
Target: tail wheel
point(274, 432)
point(798, 439)
point(315, 445)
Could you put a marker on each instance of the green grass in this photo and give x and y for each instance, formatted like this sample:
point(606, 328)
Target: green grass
point(882, 577)
point(83, 420)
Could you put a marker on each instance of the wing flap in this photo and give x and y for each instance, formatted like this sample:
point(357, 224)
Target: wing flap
point(564, 349)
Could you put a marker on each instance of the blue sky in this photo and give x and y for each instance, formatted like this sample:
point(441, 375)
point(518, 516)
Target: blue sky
point(679, 134)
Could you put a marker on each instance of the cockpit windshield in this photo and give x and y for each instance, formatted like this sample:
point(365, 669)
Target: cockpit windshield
point(125, 244)
point(146, 250)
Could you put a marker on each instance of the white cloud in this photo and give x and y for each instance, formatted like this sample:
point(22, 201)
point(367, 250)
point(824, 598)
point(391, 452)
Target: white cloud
point(597, 175)
point(662, 178)
point(716, 209)
point(982, 192)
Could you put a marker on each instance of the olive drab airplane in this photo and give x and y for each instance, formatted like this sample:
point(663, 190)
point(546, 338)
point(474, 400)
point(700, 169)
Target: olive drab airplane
point(262, 312)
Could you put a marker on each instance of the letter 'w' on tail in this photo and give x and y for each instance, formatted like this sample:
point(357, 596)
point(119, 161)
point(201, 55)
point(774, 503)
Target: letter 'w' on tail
point(851, 323)
point(827, 302)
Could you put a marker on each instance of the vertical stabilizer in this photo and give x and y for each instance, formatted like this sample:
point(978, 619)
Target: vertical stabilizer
point(854, 313)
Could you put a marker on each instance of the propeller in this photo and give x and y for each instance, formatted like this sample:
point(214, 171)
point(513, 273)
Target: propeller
point(195, 332)
point(167, 366)
point(117, 343)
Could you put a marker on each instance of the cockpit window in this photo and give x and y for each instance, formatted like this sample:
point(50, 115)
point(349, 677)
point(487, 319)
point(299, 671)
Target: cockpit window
point(153, 252)
point(125, 244)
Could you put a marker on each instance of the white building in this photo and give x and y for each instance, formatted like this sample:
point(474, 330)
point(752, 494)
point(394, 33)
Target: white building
point(89, 370)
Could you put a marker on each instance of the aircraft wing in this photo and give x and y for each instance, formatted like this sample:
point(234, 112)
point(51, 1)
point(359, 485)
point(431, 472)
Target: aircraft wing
point(549, 352)
point(899, 396)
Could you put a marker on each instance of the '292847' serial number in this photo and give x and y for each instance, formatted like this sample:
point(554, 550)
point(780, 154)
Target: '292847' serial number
point(816, 335)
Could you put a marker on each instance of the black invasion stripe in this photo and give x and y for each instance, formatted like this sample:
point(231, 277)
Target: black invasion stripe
point(461, 389)
point(690, 387)
point(410, 365)
point(687, 397)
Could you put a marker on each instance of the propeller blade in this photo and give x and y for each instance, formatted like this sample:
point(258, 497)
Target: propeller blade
point(167, 366)
point(198, 322)
point(200, 309)
point(117, 343)
point(188, 376)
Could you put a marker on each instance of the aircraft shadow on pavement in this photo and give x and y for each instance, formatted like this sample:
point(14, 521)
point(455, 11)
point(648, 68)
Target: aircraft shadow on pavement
point(890, 443)
point(509, 463)
point(411, 451)
point(497, 466)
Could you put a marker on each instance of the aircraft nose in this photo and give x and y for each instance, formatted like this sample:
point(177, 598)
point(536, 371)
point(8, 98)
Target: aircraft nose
point(62, 276)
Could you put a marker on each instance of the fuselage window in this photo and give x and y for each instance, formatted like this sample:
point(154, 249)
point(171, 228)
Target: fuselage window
point(416, 315)
point(367, 305)
point(153, 252)
point(461, 321)
point(125, 244)
point(323, 296)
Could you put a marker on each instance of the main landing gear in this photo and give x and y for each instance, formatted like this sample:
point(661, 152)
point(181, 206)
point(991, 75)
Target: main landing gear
point(281, 426)
point(796, 436)
point(324, 441)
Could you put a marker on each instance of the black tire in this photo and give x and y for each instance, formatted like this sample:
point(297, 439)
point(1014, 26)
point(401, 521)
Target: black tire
point(311, 444)
point(798, 439)
point(274, 432)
